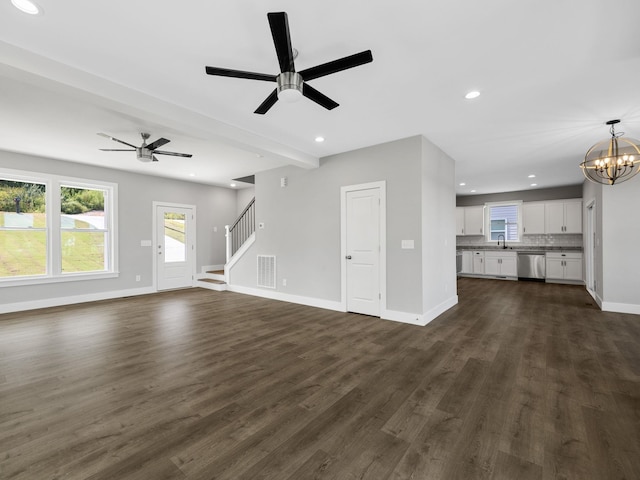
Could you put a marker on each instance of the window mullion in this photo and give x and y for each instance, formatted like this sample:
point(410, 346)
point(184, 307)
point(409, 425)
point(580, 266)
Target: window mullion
point(56, 234)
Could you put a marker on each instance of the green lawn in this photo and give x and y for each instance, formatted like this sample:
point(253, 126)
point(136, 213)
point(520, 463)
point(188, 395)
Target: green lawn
point(23, 252)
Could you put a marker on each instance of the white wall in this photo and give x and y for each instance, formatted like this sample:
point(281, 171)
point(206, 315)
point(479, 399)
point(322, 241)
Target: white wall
point(215, 208)
point(592, 192)
point(243, 197)
point(302, 225)
point(438, 231)
point(620, 252)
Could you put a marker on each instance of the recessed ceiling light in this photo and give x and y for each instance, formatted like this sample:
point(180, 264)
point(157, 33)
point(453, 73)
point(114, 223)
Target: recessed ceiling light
point(319, 139)
point(462, 184)
point(192, 174)
point(473, 191)
point(532, 176)
point(232, 185)
point(472, 94)
point(534, 184)
point(26, 6)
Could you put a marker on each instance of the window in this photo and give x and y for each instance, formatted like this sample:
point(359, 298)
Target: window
point(84, 236)
point(23, 228)
point(503, 219)
point(37, 245)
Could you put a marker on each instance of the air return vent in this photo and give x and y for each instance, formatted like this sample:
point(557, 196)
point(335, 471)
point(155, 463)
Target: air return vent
point(267, 271)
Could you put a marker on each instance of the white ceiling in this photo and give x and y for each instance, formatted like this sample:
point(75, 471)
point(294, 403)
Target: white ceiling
point(550, 74)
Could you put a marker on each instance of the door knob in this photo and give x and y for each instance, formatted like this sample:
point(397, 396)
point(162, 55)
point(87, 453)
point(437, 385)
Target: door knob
point(348, 257)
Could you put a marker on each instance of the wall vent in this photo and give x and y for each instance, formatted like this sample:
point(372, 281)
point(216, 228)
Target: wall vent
point(267, 271)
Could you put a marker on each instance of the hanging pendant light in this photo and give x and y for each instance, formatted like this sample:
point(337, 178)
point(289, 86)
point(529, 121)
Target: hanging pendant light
point(614, 160)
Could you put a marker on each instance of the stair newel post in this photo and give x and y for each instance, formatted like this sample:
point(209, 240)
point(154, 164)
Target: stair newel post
point(228, 238)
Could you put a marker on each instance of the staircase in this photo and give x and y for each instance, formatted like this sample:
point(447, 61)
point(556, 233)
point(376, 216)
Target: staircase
point(239, 235)
point(213, 280)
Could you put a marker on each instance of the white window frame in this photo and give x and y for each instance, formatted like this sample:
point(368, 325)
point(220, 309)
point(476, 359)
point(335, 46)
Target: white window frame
point(53, 183)
point(487, 219)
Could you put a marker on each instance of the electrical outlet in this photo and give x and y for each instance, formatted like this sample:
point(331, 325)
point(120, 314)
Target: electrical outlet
point(284, 282)
point(137, 278)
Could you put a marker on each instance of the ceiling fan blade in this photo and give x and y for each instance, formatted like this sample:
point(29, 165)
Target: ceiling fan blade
point(115, 139)
point(153, 158)
point(116, 150)
point(282, 40)
point(268, 103)
point(173, 154)
point(227, 72)
point(321, 99)
point(158, 143)
point(337, 65)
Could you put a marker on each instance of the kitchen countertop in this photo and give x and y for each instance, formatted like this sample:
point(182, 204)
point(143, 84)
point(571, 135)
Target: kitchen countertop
point(516, 248)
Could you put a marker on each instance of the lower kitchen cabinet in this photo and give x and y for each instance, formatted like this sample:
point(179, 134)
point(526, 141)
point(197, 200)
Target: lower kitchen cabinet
point(467, 261)
point(501, 264)
point(564, 266)
point(478, 262)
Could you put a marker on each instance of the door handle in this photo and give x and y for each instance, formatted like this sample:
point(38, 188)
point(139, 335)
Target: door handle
point(348, 257)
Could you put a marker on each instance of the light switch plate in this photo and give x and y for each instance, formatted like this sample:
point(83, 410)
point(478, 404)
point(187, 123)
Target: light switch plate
point(145, 243)
point(408, 244)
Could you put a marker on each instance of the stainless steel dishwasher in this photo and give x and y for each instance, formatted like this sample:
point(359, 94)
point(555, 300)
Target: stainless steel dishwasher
point(531, 266)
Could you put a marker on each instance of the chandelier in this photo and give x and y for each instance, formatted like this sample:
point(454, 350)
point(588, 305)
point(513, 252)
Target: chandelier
point(613, 160)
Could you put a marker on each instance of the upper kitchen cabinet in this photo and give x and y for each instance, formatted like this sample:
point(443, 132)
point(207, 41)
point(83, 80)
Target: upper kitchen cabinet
point(459, 220)
point(563, 216)
point(470, 220)
point(533, 218)
point(474, 220)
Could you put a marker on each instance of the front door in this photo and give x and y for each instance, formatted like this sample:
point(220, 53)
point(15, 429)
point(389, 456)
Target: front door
point(174, 249)
point(363, 251)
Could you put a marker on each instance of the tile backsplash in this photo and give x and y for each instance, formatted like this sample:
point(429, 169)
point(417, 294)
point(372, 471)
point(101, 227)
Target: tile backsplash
point(562, 240)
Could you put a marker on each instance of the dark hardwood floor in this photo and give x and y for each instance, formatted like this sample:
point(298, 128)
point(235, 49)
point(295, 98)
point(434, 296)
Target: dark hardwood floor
point(520, 381)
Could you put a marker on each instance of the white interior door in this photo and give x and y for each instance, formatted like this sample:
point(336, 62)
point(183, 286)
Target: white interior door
point(363, 251)
point(175, 246)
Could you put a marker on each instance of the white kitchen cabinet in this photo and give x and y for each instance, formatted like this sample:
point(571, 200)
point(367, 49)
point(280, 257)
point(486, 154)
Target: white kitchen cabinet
point(459, 220)
point(564, 266)
point(563, 216)
point(470, 220)
point(533, 218)
point(474, 220)
point(478, 262)
point(467, 261)
point(503, 264)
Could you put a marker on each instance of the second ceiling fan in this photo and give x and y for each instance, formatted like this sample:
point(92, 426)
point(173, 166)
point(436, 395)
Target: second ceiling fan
point(289, 81)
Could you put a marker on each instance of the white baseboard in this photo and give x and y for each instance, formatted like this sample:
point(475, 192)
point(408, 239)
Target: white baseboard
point(440, 309)
point(620, 308)
point(395, 316)
point(286, 297)
point(403, 317)
point(59, 301)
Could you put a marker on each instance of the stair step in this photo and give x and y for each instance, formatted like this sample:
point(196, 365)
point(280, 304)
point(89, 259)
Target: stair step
point(216, 272)
point(212, 284)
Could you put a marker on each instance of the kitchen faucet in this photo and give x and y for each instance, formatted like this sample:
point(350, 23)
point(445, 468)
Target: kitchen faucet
point(504, 242)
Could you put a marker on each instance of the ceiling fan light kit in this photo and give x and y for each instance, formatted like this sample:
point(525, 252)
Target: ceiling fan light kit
point(292, 84)
point(614, 160)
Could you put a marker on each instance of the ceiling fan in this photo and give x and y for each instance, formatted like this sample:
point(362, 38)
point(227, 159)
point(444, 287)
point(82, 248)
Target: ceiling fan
point(292, 83)
point(144, 153)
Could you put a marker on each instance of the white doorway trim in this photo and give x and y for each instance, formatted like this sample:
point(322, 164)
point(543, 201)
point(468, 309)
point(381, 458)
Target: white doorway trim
point(589, 251)
point(382, 187)
point(192, 234)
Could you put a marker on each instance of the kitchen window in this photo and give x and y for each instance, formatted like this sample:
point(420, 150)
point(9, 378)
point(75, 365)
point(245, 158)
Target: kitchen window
point(55, 229)
point(503, 219)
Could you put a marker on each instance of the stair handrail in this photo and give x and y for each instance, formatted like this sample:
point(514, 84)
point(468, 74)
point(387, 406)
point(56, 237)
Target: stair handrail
point(241, 230)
